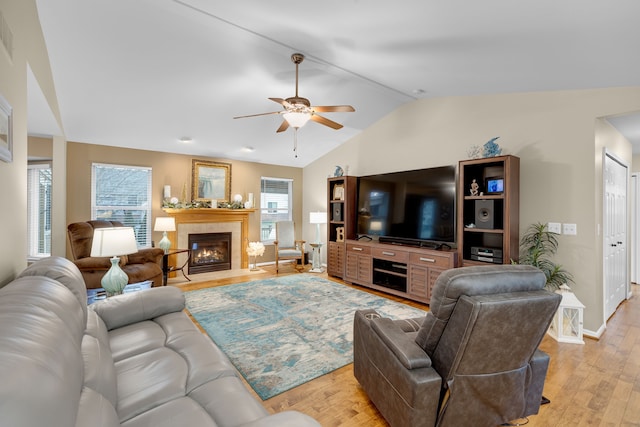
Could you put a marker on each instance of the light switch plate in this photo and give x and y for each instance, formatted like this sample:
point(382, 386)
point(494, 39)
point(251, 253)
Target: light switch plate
point(569, 229)
point(554, 227)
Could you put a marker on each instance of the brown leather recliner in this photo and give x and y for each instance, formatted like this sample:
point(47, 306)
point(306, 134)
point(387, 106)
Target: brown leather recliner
point(474, 358)
point(146, 264)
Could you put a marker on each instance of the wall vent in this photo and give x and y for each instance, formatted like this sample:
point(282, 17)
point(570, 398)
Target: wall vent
point(6, 36)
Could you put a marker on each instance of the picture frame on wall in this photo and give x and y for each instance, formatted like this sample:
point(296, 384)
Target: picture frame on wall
point(6, 131)
point(210, 181)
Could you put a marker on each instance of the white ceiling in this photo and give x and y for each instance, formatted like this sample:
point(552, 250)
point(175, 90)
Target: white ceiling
point(144, 73)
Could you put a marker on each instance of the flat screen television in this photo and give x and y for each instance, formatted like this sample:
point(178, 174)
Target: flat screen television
point(412, 207)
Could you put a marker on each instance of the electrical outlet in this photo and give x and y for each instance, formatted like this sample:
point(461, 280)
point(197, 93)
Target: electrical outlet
point(569, 229)
point(554, 227)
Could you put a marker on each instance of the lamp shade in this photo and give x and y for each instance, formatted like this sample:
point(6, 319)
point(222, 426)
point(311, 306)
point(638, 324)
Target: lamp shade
point(165, 223)
point(113, 241)
point(318, 218)
point(296, 119)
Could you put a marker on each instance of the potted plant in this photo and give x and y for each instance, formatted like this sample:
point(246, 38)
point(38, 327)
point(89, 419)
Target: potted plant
point(537, 247)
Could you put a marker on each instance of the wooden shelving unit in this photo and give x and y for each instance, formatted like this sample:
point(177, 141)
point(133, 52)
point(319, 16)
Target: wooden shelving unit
point(341, 221)
point(488, 224)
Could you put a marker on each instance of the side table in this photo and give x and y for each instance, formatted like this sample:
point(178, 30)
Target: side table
point(166, 268)
point(316, 263)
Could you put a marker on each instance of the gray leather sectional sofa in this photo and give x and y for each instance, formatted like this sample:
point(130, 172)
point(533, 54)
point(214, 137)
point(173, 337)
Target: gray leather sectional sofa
point(131, 360)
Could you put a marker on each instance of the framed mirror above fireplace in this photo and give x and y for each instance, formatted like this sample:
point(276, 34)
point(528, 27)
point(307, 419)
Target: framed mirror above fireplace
point(211, 181)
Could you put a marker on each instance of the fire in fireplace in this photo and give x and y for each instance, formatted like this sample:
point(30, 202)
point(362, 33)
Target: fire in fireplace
point(209, 252)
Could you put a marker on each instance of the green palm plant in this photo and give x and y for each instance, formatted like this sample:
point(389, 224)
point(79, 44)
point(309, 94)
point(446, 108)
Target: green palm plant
point(537, 246)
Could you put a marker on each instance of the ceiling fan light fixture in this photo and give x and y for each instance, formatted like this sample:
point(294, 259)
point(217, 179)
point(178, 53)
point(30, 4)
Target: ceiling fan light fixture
point(296, 119)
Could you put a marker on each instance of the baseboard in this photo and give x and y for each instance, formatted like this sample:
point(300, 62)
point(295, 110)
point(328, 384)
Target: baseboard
point(595, 335)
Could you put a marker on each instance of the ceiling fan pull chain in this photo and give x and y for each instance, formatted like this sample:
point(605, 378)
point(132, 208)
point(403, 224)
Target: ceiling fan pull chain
point(295, 142)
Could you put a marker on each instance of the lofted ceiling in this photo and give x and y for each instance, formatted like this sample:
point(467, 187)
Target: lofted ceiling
point(146, 73)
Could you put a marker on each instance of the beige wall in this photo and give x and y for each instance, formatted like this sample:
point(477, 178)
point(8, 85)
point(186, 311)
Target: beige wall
point(40, 148)
point(173, 170)
point(29, 50)
point(553, 133)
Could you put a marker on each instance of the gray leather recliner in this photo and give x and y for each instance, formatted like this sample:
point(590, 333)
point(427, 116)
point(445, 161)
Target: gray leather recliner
point(473, 358)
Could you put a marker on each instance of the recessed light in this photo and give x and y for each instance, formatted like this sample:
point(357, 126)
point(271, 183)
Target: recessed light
point(248, 149)
point(419, 91)
point(185, 140)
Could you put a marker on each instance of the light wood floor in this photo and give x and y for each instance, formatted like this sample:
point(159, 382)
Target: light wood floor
point(596, 384)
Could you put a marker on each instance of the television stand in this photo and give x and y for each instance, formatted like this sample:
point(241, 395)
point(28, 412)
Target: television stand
point(406, 271)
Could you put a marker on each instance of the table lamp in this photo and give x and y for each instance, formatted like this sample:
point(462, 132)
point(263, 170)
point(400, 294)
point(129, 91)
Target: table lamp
point(318, 218)
point(164, 224)
point(112, 242)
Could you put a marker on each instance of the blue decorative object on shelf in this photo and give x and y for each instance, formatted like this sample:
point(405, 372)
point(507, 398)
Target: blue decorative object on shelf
point(491, 149)
point(338, 172)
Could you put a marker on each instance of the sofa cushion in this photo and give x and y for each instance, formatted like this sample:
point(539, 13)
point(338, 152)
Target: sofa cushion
point(179, 412)
point(162, 359)
point(95, 410)
point(99, 369)
point(149, 379)
point(63, 271)
point(122, 310)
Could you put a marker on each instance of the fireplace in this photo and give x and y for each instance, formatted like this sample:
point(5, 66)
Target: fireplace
point(209, 252)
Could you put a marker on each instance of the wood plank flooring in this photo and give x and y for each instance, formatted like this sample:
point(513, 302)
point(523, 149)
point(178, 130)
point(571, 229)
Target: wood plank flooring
point(596, 384)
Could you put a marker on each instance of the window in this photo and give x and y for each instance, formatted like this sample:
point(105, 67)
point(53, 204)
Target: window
point(275, 205)
point(123, 193)
point(39, 210)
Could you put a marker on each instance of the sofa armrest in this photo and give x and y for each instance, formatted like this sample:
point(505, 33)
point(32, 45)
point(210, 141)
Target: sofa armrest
point(134, 307)
point(146, 255)
point(284, 419)
point(408, 352)
point(93, 263)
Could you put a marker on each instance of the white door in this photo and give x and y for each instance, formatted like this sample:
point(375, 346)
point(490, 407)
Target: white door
point(615, 234)
point(634, 232)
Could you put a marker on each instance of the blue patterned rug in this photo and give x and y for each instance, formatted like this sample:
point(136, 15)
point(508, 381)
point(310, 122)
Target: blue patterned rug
point(285, 331)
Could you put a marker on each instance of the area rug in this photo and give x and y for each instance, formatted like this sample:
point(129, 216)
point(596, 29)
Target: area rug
point(285, 331)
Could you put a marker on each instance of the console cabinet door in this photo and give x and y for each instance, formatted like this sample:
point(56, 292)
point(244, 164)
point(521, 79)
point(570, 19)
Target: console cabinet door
point(358, 266)
point(419, 283)
point(424, 269)
point(336, 261)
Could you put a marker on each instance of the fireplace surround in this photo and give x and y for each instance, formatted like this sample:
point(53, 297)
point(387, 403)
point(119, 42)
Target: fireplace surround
point(208, 220)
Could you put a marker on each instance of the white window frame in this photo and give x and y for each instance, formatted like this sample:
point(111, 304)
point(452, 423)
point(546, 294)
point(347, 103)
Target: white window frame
point(34, 213)
point(269, 215)
point(143, 209)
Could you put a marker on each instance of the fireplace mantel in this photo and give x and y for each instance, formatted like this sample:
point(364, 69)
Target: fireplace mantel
point(210, 215)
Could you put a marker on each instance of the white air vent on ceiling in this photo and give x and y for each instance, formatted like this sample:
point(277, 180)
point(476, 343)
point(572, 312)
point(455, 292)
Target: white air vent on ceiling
point(6, 36)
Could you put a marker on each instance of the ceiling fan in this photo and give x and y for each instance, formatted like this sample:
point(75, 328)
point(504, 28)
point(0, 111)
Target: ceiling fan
point(298, 111)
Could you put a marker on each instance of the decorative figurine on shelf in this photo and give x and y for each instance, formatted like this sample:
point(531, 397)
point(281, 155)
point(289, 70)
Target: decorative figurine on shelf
point(474, 187)
point(474, 152)
point(338, 172)
point(491, 149)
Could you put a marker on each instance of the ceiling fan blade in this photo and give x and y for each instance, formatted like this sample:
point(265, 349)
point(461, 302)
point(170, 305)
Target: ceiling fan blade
point(256, 115)
point(333, 108)
point(325, 121)
point(284, 126)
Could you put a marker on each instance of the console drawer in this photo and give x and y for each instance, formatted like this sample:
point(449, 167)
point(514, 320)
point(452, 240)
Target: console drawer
point(391, 254)
point(360, 249)
point(431, 260)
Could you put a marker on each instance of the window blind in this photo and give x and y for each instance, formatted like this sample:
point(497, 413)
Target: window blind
point(123, 193)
